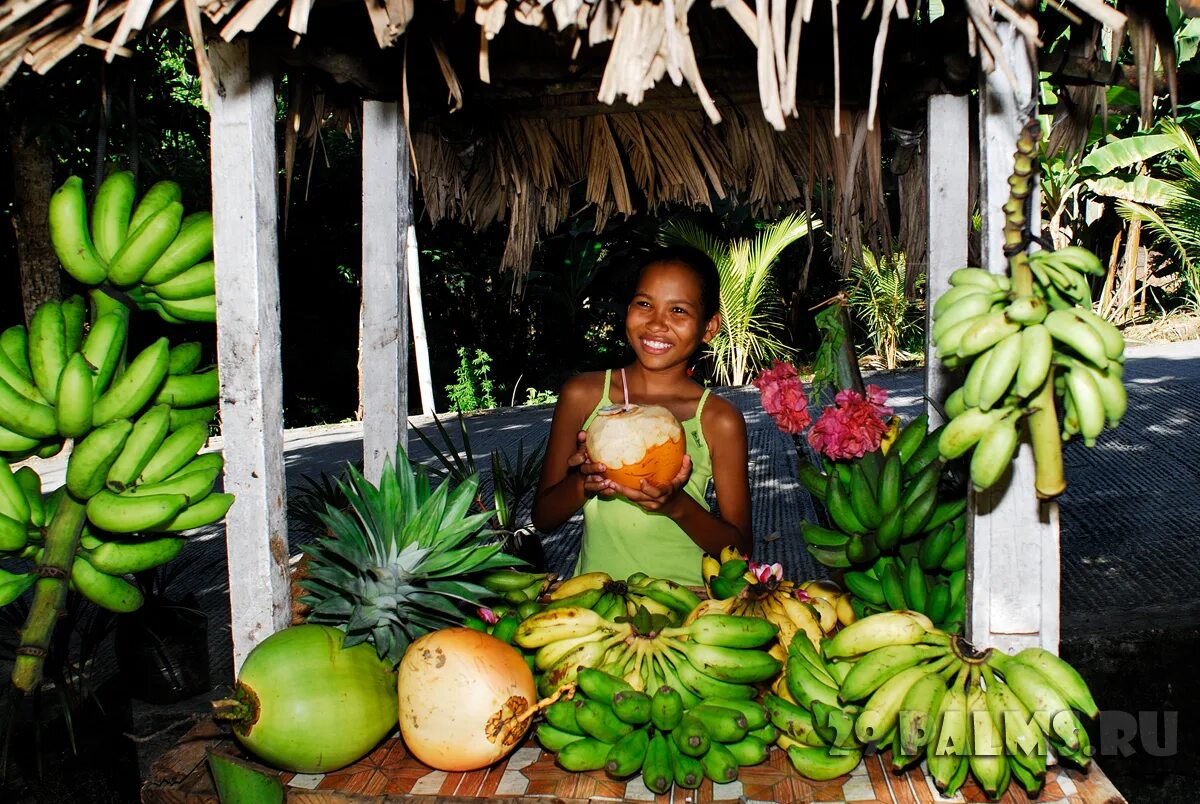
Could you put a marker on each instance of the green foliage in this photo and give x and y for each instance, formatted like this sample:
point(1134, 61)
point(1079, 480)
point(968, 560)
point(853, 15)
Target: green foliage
point(473, 388)
point(877, 299)
point(535, 397)
point(751, 313)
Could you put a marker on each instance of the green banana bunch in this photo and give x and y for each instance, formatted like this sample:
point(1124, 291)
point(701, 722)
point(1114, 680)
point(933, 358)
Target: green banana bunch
point(611, 726)
point(1014, 336)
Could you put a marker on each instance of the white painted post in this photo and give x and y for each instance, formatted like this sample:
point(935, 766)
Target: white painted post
point(948, 153)
point(417, 313)
point(246, 248)
point(1013, 556)
point(386, 217)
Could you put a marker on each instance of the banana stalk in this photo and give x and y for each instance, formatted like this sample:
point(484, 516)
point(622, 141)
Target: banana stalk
point(49, 593)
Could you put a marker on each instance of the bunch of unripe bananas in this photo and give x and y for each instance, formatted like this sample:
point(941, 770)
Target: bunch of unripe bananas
point(612, 598)
point(879, 501)
point(892, 681)
point(736, 586)
point(667, 734)
point(716, 655)
point(151, 250)
point(1022, 340)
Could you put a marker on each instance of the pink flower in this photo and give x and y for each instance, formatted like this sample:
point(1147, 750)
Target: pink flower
point(488, 616)
point(783, 397)
point(765, 572)
point(852, 426)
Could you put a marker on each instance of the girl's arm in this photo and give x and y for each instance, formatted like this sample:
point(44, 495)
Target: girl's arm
point(567, 478)
point(725, 431)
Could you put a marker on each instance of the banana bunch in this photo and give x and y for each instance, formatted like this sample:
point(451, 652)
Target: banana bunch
point(611, 598)
point(927, 576)
point(22, 517)
point(715, 655)
point(880, 501)
point(893, 681)
point(1020, 339)
point(667, 737)
point(519, 590)
point(149, 248)
point(813, 608)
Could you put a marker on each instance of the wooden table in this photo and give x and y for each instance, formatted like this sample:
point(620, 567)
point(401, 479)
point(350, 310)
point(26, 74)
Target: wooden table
point(389, 774)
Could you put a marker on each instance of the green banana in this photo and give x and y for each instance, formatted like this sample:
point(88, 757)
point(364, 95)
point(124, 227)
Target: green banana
point(561, 715)
point(599, 721)
point(145, 245)
point(193, 485)
point(862, 498)
point(13, 585)
point(47, 348)
point(687, 771)
point(68, 219)
point(841, 513)
point(813, 479)
point(892, 584)
point(583, 754)
point(865, 587)
point(199, 280)
point(719, 764)
point(14, 345)
point(103, 348)
point(110, 212)
point(15, 443)
point(144, 440)
point(600, 686)
point(74, 310)
point(1003, 363)
point(889, 483)
point(1089, 405)
point(822, 763)
point(981, 277)
point(946, 511)
point(189, 390)
point(135, 386)
point(158, 196)
point(74, 409)
point(969, 307)
point(13, 502)
point(972, 386)
point(1114, 341)
point(705, 686)
point(986, 332)
point(915, 590)
point(106, 591)
point(805, 686)
point(31, 487)
point(730, 664)
point(791, 720)
point(90, 461)
point(963, 432)
point(1063, 676)
point(656, 764)
point(910, 438)
point(1073, 332)
point(691, 737)
point(184, 358)
point(925, 455)
point(632, 706)
point(119, 514)
point(724, 725)
point(196, 515)
point(822, 537)
point(125, 558)
point(934, 547)
point(191, 245)
point(729, 631)
point(14, 534)
point(994, 452)
point(627, 754)
point(1026, 310)
point(666, 708)
point(201, 309)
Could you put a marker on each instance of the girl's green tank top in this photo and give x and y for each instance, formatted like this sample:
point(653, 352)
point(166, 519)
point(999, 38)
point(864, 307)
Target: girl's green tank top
point(621, 538)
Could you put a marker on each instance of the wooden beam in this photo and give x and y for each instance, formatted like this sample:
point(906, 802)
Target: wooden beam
point(1013, 549)
point(947, 154)
point(246, 250)
point(416, 308)
point(386, 217)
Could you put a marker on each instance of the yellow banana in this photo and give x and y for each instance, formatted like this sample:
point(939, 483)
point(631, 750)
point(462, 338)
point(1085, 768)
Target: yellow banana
point(580, 583)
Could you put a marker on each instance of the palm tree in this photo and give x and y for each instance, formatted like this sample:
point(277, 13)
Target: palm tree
point(1176, 220)
point(877, 298)
point(751, 311)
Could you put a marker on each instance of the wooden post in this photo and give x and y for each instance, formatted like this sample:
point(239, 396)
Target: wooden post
point(417, 312)
point(1013, 555)
point(386, 217)
point(947, 142)
point(246, 251)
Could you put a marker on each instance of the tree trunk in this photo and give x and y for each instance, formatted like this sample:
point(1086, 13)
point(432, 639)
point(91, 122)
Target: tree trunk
point(32, 186)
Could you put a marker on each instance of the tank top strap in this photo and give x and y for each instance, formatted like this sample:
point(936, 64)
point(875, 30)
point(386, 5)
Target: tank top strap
point(700, 405)
point(607, 383)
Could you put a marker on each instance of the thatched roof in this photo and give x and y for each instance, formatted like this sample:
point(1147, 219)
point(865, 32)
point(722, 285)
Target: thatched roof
point(504, 125)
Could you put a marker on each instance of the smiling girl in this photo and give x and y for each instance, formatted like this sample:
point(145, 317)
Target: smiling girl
point(659, 530)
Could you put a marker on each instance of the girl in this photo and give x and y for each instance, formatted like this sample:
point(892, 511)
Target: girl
point(659, 530)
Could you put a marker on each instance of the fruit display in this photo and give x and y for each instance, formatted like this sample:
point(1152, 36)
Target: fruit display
point(150, 250)
point(658, 733)
point(306, 702)
point(636, 443)
point(612, 598)
point(135, 476)
point(716, 652)
point(465, 699)
point(400, 560)
point(892, 681)
point(738, 586)
point(1030, 348)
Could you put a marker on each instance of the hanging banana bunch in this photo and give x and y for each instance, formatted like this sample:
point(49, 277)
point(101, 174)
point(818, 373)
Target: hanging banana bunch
point(1027, 343)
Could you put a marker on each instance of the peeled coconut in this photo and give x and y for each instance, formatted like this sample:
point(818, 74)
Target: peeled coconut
point(635, 443)
point(462, 693)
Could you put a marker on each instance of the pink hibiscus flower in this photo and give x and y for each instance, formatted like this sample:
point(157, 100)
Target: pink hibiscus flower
point(783, 397)
point(852, 426)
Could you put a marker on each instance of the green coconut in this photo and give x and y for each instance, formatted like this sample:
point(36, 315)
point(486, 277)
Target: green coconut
point(305, 703)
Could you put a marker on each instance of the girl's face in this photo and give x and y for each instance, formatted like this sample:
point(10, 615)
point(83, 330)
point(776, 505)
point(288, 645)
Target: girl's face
point(665, 321)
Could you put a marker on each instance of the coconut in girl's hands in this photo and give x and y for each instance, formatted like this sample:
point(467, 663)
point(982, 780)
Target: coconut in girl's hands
point(635, 443)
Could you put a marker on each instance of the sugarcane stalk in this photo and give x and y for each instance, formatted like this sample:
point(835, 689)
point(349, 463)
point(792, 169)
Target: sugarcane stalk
point(49, 592)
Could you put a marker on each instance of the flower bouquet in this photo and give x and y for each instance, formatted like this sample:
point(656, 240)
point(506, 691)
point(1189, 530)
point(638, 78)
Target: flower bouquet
point(897, 538)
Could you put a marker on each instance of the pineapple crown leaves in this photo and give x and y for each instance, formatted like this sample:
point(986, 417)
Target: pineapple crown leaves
point(396, 560)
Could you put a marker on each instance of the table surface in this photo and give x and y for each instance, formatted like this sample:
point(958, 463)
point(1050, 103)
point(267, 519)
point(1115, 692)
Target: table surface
point(529, 774)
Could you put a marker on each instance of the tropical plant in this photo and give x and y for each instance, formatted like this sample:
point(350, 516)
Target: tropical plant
point(396, 562)
point(473, 388)
point(877, 299)
point(751, 312)
point(1175, 222)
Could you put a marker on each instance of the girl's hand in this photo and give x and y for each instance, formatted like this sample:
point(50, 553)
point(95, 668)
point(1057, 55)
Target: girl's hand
point(592, 473)
point(657, 499)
